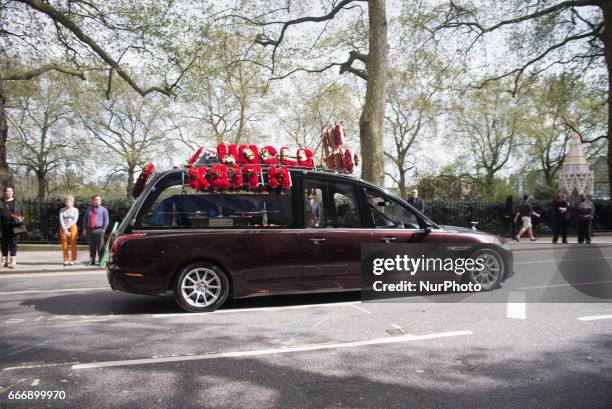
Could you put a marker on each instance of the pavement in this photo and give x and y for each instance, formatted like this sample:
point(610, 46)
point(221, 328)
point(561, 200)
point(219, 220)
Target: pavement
point(47, 258)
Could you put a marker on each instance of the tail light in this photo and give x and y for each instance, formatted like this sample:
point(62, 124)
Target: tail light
point(121, 239)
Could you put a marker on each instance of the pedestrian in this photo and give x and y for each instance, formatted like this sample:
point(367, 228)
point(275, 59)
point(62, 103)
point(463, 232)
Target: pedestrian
point(68, 217)
point(561, 216)
point(95, 223)
point(526, 212)
point(12, 224)
point(584, 219)
point(508, 220)
point(415, 201)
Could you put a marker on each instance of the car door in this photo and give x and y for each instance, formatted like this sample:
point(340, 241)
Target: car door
point(332, 235)
point(393, 222)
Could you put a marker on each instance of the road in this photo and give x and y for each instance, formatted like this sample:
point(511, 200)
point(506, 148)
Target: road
point(71, 333)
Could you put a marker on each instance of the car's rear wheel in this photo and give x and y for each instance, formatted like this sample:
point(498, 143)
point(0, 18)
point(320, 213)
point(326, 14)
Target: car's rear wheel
point(492, 272)
point(201, 287)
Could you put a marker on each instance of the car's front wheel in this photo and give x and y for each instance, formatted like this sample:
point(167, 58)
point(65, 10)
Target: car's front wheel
point(201, 287)
point(490, 276)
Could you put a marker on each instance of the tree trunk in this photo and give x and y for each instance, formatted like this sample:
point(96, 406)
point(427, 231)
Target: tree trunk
point(402, 183)
point(42, 185)
point(607, 38)
point(6, 176)
point(372, 116)
point(130, 181)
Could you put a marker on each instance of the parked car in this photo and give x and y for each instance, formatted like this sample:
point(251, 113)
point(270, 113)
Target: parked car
point(206, 246)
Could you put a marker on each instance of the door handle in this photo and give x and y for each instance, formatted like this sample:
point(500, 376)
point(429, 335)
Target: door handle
point(316, 240)
point(388, 239)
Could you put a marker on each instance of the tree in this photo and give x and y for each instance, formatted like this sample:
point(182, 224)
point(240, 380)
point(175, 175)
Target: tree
point(312, 105)
point(75, 37)
point(487, 120)
point(222, 98)
point(558, 106)
point(128, 128)
point(375, 61)
point(551, 33)
point(41, 119)
point(414, 103)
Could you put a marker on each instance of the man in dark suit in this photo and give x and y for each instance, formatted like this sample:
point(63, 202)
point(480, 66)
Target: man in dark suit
point(95, 223)
point(312, 206)
point(416, 201)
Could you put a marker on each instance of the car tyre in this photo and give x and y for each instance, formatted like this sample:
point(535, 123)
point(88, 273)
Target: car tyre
point(201, 287)
point(493, 272)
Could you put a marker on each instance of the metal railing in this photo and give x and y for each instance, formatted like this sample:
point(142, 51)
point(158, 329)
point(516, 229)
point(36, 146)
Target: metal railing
point(42, 216)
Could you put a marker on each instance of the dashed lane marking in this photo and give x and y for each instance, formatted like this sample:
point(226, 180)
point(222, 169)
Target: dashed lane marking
point(516, 307)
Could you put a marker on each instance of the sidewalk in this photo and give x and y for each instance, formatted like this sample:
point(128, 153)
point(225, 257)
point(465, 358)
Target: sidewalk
point(42, 261)
point(545, 242)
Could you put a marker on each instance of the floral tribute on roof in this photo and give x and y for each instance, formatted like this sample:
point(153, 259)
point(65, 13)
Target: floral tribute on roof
point(266, 169)
point(247, 167)
point(147, 170)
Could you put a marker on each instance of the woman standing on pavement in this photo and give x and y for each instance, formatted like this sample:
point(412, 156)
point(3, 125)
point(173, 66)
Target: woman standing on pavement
point(68, 217)
point(584, 219)
point(561, 216)
point(12, 225)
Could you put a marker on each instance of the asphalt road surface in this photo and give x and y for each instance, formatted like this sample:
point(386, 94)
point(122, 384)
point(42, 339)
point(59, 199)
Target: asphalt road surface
point(71, 334)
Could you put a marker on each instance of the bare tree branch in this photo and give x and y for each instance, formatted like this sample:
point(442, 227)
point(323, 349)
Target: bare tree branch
point(29, 74)
point(59, 17)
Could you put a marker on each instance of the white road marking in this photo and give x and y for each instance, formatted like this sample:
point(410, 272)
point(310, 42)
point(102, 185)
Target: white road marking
point(12, 368)
point(72, 273)
point(288, 307)
point(516, 307)
point(82, 321)
point(360, 309)
point(595, 317)
point(561, 260)
point(63, 290)
point(260, 352)
point(562, 285)
point(396, 326)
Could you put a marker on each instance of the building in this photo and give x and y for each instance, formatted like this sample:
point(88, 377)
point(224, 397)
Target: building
point(576, 175)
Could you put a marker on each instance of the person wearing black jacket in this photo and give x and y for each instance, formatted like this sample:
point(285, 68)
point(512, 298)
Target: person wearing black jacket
point(12, 224)
point(561, 216)
point(584, 219)
point(416, 201)
point(507, 217)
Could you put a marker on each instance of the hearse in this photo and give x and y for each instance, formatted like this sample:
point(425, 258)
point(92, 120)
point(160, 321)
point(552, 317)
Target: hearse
point(205, 244)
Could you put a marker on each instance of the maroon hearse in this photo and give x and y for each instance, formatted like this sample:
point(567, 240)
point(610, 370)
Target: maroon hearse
point(207, 245)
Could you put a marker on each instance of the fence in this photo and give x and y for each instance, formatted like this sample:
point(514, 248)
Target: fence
point(42, 216)
point(488, 215)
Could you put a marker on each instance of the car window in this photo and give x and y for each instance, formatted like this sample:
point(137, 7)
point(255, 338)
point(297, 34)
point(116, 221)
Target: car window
point(179, 206)
point(314, 214)
point(388, 214)
point(330, 205)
